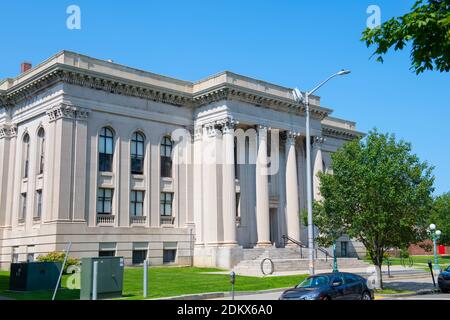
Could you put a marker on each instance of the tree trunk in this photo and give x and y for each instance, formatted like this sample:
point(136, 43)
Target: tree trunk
point(379, 277)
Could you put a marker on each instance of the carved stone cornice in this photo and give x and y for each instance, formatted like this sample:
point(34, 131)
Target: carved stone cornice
point(67, 111)
point(8, 131)
point(61, 73)
point(340, 133)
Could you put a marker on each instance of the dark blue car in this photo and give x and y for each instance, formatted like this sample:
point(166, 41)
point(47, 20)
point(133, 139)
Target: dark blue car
point(444, 280)
point(330, 286)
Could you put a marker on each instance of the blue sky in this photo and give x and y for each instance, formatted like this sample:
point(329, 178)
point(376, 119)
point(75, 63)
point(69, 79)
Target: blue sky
point(292, 43)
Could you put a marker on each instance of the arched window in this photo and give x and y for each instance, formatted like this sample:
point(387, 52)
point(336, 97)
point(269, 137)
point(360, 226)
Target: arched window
point(137, 153)
point(105, 149)
point(41, 140)
point(166, 157)
point(26, 155)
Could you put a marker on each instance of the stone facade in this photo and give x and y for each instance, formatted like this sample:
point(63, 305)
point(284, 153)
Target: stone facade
point(57, 117)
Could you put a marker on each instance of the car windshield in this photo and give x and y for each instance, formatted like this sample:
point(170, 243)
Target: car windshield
point(314, 282)
point(448, 269)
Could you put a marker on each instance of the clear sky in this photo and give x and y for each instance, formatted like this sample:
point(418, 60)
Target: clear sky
point(293, 43)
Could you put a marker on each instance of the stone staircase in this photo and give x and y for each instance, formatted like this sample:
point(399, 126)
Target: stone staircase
point(287, 260)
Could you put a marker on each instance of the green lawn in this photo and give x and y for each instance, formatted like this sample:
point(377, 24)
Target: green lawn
point(419, 261)
point(167, 282)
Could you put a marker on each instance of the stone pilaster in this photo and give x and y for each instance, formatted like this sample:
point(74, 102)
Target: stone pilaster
point(292, 200)
point(198, 186)
point(262, 190)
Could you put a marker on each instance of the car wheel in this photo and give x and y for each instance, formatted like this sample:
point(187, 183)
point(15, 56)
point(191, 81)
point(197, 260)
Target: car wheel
point(366, 296)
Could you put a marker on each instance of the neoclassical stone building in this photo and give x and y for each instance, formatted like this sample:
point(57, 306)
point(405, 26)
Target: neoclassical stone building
point(90, 153)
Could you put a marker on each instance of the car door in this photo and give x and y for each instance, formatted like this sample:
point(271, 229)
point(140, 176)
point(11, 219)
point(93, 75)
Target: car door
point(352, 287)
point(337, 287)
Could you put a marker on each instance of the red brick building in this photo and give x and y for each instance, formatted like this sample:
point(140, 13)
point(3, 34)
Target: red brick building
point(426, 248)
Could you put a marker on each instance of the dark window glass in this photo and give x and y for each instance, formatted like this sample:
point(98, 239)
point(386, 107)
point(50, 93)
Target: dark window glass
point(169, 255)
point(26, 155)
point(104, 201)
point(137, 153)
point(106, 253)
point(139, 256)
point(136, 203)
point(344, 248)
point(166, 157)
point(41, 136)
point(166, 204)
point(38, 204)
point(105, 150)
point(23, 209)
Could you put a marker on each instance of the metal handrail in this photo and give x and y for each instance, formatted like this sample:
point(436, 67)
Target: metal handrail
point(286, 239)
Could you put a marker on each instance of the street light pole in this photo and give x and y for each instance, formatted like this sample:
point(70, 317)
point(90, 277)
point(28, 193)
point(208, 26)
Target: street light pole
point(299, 97)
point(435, 234)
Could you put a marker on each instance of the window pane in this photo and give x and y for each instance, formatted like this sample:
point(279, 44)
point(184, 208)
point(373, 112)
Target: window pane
point(107, 207)
point(109, 146)
point(101, 145)
point(139, 209)
point(140, 196)
point(99, 206)
point(140, 149)
point(168, 209)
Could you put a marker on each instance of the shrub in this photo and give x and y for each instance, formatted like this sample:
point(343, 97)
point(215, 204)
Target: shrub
point(58, 257)
point(404, 253)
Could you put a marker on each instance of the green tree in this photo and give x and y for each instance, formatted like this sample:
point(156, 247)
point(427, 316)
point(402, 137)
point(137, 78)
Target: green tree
point(440, 216)
point(379, 193)
point(426, 27)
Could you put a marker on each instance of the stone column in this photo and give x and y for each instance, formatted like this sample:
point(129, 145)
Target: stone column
point(317, 166)
point(198, 183)
point(292, 205)
point(228, 184)
point(262, 190)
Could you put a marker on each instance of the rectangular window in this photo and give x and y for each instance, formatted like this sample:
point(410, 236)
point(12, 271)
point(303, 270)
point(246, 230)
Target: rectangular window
point(166, 204)
point(30, 253)
point(344, 248)
point(166, 167)
point(105, 162)
point(104, 201)
point(137, 165)
point(169, 255)
point(38, 212)
point(139, 256)
point(23, 206)
point(107, 253)
point(137, 203)
point(107, 249)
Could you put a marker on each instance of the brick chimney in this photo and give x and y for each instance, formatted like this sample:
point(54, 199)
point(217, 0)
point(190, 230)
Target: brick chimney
point(25, 66)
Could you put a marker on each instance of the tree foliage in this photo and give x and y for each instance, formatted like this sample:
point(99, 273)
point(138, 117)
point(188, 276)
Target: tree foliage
point(440, 216)
point(426, 27)
point(379, 193)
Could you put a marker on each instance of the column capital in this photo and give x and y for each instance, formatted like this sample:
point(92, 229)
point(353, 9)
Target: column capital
point(67, 111)
point(8, 131)
point(291, 137)
point(317, 141)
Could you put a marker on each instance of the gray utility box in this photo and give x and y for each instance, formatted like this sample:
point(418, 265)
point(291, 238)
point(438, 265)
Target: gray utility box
point(109, 277)
point(32, 276)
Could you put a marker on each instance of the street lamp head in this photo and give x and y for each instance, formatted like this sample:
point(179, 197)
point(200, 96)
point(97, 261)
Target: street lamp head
point(438, 232)
point(432, 227)
point(343, 72)
point(298, 96)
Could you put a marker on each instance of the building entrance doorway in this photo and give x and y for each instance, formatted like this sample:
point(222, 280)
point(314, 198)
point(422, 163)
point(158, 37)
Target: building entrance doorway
point(274, 234)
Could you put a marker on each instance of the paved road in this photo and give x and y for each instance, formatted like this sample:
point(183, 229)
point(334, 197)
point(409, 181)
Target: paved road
point(259, 296)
